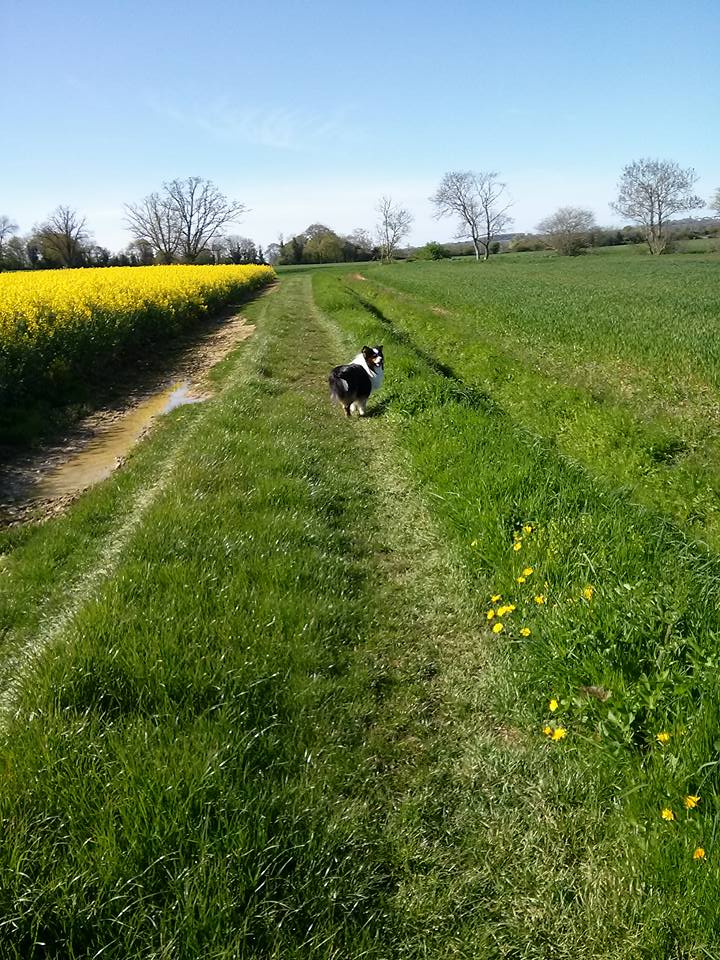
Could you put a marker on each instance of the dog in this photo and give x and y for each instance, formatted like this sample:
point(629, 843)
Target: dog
point(352, 383)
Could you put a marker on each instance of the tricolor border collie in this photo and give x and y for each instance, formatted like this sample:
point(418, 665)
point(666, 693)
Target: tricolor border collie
point(352, 383)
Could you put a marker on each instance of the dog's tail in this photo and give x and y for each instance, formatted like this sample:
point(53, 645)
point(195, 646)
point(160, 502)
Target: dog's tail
point(339, 388)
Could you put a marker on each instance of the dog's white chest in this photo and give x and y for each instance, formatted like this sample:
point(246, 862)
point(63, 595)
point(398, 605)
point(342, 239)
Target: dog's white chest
point(376, 374)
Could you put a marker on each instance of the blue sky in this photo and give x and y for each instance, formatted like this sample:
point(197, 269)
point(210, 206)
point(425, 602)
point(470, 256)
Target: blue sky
point(311, 111)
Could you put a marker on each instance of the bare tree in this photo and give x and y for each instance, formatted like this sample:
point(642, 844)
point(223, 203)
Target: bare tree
point(476, 199)
point(393, 226)
point(63, 237)
point(184, 219)
point(650, 191)
point(242, 249)
point(202, 212)
point(7, 228)
point(154, 221)
point(567, 229)
point(715, 202)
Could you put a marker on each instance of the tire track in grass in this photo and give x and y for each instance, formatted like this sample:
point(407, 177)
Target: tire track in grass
point(501, 824)
point(17, 664)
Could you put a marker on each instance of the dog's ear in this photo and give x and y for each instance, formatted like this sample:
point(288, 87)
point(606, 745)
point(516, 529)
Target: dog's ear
point(365, 351)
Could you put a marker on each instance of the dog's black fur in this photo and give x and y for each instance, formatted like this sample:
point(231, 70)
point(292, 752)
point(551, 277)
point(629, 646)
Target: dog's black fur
point(352, 383)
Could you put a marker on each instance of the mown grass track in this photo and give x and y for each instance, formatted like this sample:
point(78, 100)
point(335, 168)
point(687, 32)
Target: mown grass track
point(278, 724)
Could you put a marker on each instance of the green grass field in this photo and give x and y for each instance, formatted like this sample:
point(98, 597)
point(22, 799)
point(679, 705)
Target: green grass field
point(253, 701)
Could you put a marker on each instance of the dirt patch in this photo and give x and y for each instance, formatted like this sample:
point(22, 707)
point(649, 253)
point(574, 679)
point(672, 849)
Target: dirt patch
point(441, 311)
point(41, 483)
point(357, 276)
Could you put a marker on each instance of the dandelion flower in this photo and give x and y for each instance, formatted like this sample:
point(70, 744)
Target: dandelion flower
point(517, 545)
point(473, 543)
point(553, 705)
point(498, 596)
point(662, 737)
point(490, 614)
point(699, 854)
point(521, 579)
point(691, 802)
point(540, 599)
point(559, 733)
point(667, 814)
point(527, 528)
point(547, 730)
point(510, 607)
point(525, 632)
point(501, 611)
point(588, 592)
point(527, 571)
point(498, 628)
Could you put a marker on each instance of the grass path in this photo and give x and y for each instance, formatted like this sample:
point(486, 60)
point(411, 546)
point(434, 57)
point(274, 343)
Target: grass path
point(269, 719)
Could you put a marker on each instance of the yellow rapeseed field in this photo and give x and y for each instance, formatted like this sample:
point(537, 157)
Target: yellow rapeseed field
point(54, 323)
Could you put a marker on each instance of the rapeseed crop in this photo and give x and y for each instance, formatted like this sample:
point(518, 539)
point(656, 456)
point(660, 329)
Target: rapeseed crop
point(55, 323)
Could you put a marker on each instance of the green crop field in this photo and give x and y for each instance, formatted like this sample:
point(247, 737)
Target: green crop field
point(437, 683)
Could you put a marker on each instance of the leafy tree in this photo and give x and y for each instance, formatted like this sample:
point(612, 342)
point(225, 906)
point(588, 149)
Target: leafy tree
point(273, 253)
point(15, 255)
point(477, 200)
point(567, 230)
point(432, 251)
point(651, 191)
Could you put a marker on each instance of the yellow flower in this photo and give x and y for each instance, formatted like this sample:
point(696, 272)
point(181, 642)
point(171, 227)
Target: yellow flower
point(490, 614)
point(662, 737)
point(521, 579)
point(516, 535)
point(699, 854)
point(691, 802)
point(667, 814)
point(527, 571)
point(540, 599)
point(510, 607)
point(559, 733)
point(525, 632)
point(527, 528)
point(517, 545)
point(498, 596)
point(498, 628)
point(553, 705)
point(547, 731)
point(501, 611)
point(473, 543)
point(588, 592)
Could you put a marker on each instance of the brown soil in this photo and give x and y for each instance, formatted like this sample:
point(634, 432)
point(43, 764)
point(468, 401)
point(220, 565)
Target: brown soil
point(32, 485)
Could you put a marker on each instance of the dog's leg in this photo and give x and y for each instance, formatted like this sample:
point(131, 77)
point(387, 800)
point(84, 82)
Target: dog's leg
point(361, 407)
point(347, 409)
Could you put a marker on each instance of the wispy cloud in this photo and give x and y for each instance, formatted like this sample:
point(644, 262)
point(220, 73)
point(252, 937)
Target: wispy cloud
point(279, 128)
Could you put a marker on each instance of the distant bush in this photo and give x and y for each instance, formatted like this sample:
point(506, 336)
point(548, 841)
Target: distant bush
point(525, 243)
point(432, 251)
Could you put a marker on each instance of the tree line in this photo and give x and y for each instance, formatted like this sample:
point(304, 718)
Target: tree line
point(187, 222)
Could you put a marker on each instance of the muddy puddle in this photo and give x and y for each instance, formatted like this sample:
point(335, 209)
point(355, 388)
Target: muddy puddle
point(42, 482)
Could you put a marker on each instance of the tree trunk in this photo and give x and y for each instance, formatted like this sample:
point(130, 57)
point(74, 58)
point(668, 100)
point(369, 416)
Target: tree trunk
point(477, 248)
